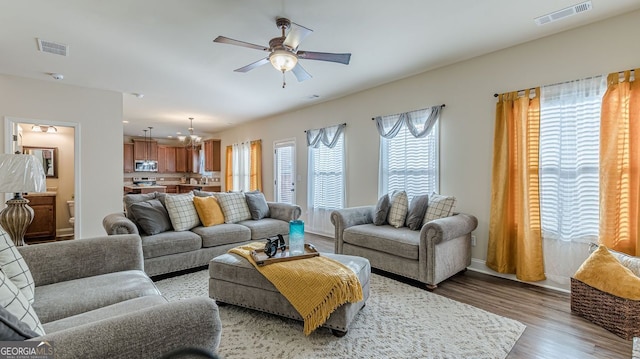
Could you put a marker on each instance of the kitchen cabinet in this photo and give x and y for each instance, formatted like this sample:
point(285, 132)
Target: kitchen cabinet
point(145, 150)
point(181, 159)
point(193, 160)
point(166, 159)
point(171, 188)
point(186, 188)
point(187, 159)
point(143, 189)
point(128, 158)
point(212, 155)
point(43, 226)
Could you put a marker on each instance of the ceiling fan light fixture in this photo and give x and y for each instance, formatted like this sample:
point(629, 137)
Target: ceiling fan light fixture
point(283, 60)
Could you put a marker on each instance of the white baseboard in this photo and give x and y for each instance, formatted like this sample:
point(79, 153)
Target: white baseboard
point(478, 265)
point(64, 232)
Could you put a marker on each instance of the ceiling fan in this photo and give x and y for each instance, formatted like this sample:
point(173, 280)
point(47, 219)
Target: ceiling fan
point(284, 53)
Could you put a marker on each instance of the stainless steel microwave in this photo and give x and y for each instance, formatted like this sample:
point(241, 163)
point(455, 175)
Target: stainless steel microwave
point(146, 166)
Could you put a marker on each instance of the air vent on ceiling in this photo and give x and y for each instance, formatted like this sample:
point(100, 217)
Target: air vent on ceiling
point(561, 14)
point(53, 47)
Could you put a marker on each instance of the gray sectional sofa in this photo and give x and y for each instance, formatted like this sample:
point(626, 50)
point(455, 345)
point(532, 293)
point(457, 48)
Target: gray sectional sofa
point(440, 249)
point(95, 301)
point(172, 251)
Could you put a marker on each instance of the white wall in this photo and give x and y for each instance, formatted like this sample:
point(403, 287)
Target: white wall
point(467, 122)
point(98, 114)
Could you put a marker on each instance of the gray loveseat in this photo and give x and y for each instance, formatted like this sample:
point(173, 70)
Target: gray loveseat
point(440, 249)
point(173, 251)
point(95, 301)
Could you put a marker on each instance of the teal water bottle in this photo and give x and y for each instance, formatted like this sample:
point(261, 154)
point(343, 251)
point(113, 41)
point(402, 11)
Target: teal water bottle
point(296, 237)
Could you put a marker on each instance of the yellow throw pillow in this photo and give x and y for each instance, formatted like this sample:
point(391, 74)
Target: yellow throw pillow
point(604, 272)
point(208, 210)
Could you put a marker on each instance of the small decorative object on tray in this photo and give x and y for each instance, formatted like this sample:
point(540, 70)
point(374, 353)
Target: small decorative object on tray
point(273, 244)
point(262, 258)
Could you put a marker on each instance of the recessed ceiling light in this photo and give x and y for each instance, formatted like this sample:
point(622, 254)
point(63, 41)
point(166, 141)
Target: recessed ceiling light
point(57, 76)
point(125, 121)
point(138, 95)
point(313, 97)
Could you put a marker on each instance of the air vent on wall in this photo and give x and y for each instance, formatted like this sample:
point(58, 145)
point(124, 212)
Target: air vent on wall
point(561, 14)
point(53, 47)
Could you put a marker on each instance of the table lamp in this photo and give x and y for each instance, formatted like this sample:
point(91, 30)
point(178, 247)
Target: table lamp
point(19, 174)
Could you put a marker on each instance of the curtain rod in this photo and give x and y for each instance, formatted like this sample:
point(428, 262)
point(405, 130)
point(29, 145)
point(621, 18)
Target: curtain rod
point(621, 73)
point(443, 105)
point(345, 124)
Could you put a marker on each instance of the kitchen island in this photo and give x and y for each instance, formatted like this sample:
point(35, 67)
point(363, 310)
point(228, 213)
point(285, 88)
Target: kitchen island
point(185, 187)
point(144, 189)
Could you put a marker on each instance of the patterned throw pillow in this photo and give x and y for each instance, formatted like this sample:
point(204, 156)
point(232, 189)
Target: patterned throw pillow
point(208, 210)
point(234, 206)
point(14, 266)
point(417, 210)
point(399, 208)
point(12, 299)
point(182, 211)
point(439, 207)
point(381, 211)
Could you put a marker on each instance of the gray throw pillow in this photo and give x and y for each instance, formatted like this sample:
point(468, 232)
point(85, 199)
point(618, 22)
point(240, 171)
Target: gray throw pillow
point(12, 329)
point(130, 199)
point(382, 210)
point(257, 205)
point(151, 216)
point(417, 210)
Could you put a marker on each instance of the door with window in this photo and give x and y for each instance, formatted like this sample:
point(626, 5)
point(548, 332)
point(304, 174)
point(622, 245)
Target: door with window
point(285, 171)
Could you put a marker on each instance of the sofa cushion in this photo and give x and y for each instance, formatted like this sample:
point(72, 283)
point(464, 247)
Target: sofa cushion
point(257, 205)
point(208, 210)
point(13, 329)
point(234, 207)
point(12, 299)
point(182, 211)
point(14, 266)
point(399, 208)
point(151, 216)
point(110, 311)
point(130, 199)
point(382, 210)
point(439, 207)
point(64, 299)
point(402, 242)
point(226, 233)
point(170, 242)
point(266, 227)
point(417, 211)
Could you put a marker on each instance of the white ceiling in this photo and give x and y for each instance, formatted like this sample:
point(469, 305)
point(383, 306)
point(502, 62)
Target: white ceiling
point(164, 49)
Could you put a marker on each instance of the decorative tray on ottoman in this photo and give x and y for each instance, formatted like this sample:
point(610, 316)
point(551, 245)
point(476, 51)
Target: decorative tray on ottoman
point(262, 259)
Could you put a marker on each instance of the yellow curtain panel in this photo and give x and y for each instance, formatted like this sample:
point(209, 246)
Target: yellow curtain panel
point(228, 168)
point(255, 180)
point(515, 238)
point(619, 164)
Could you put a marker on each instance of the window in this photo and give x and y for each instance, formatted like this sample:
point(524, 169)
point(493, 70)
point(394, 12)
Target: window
point(569, 157)
point(240, 166)
point(326, 189)
point(409, 163)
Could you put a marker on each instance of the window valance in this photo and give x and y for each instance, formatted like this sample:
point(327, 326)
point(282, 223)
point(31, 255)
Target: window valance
point(328, 136)
point(419, 122)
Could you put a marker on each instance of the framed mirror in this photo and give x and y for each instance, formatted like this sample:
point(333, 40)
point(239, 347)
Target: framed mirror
point(48, 156)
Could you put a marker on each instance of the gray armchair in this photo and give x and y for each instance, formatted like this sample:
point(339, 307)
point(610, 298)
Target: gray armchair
point(95, 301)
point(439, 250)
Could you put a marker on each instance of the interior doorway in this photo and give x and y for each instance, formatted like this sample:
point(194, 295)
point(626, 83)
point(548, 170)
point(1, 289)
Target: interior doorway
point(56, 142)
point(285, 171)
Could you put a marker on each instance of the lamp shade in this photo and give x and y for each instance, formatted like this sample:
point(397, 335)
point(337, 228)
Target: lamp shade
point(283, 60)
point(21, 173)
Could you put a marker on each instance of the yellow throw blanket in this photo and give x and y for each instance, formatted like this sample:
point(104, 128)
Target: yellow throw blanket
point(315, 286)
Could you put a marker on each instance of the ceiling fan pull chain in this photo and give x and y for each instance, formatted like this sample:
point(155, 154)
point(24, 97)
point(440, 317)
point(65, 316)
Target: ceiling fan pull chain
point(283, 78)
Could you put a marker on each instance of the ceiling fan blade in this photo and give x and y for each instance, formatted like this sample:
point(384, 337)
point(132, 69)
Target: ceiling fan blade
point(301, 73)
point(252, 66)
point(226, 40)
point(296, 35)
point(325, 56)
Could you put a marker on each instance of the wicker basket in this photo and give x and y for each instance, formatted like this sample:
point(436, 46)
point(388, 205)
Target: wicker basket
point(618, 315)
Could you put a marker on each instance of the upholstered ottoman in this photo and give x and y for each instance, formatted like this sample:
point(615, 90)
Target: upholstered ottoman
point(233, 280)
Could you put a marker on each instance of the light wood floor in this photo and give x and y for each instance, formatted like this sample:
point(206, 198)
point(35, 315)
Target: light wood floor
point(552, 331)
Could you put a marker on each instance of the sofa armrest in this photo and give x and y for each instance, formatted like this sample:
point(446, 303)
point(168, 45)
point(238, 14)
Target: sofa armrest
point(444, 229)
point(118, 223)
point(193, 322)
point(79, 258)
point(348, 217)
point(284, 211)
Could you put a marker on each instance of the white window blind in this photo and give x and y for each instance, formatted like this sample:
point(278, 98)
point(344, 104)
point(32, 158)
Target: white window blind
point(569, 157)
point(410, 164)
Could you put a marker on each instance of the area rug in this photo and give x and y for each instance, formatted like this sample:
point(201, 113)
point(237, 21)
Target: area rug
point(399, 321)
